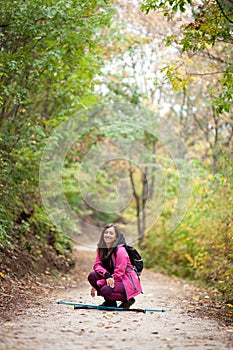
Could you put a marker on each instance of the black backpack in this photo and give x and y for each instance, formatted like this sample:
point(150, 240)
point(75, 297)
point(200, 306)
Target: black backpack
point(135, 259)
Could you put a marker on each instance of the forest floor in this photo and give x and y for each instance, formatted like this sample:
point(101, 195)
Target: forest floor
point(31, 318)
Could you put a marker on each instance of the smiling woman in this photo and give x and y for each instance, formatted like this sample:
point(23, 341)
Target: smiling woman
point(109, 236)
point(114, 277)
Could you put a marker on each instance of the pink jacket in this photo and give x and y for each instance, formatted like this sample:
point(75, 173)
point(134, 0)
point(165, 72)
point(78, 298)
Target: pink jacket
point(123, 271)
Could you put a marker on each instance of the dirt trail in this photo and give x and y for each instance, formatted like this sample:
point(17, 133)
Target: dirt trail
point(46, 325)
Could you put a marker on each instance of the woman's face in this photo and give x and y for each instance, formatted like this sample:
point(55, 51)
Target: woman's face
point(109, 236)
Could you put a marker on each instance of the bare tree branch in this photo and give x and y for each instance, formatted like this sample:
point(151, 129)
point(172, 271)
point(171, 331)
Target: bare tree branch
point(223, 12)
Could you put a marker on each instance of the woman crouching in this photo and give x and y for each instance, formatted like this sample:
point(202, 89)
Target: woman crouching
point(114, 277)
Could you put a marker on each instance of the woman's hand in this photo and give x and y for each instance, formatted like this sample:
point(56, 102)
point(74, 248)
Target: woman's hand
point(93, 291)
point(110, 282)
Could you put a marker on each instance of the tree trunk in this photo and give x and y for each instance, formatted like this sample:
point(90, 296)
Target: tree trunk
point(138, 207)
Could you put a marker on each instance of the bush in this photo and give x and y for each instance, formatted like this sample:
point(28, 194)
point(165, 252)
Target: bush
point(201, 247)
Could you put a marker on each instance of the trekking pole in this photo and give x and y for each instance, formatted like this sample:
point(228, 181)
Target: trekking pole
point(106, 308)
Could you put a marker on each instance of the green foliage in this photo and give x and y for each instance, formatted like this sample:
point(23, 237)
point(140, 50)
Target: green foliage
point(201, 246)
point(167, 5)
point(4, 235)
point(62, 243)
point(50, 54)
point(50, 59)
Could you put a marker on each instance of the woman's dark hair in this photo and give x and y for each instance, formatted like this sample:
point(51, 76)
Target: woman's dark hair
point(103, 251)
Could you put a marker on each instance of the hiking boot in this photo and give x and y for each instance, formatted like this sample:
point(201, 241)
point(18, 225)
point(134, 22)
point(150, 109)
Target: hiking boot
point(127, 304)
point(109, 303)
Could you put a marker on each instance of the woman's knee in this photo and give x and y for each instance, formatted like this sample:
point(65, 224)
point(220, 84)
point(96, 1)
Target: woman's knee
point(106, 291)
point(92, 277)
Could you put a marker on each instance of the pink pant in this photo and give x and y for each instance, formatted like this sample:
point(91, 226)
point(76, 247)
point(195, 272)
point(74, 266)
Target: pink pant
point(117, 293)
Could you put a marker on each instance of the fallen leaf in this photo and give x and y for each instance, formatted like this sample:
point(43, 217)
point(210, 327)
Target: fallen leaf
point(230, 305)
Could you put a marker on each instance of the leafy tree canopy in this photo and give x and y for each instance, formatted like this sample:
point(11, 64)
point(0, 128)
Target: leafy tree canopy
point(49, 59)
point(50, 52)
point(205, 30)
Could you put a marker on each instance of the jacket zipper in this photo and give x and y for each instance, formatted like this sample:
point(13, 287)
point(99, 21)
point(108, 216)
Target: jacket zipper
point(132, 281)
point(125, 291)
